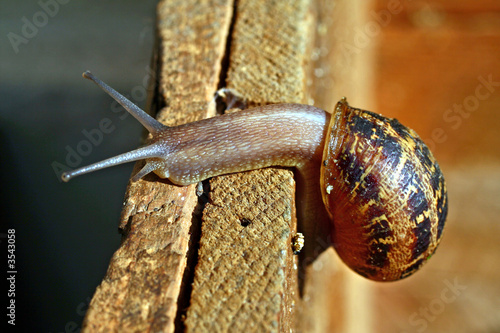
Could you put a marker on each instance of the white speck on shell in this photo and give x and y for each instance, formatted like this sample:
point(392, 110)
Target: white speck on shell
point(329, 188)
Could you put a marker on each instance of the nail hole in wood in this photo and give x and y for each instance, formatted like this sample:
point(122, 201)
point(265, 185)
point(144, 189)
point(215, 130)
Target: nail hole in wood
point(245, 222)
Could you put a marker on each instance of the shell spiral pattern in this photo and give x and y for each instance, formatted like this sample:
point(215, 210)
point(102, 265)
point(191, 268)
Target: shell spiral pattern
point(385, 194)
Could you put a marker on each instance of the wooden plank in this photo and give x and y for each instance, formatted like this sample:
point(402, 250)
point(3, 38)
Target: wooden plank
point(335, 299)
point(244, 265)
point(246, 277)
point(143, 284)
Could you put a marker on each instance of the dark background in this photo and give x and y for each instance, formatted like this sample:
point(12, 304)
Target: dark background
point(65, 232)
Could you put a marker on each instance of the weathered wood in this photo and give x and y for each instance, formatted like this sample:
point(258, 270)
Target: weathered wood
point(244, 270)
point(314, 52)
point(270, 50)
point(246, 277)
point(141, 288)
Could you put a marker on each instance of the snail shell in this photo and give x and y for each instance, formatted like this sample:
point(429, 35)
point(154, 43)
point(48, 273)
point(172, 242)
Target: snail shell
point(384, 195)
point(384, 192)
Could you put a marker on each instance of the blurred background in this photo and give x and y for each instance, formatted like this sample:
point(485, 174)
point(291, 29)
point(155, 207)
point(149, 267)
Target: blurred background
point(432, 64)
point(65, 232)
point(437, 68)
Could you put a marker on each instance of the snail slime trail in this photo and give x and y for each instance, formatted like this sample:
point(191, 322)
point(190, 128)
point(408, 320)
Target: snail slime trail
point(372, 179)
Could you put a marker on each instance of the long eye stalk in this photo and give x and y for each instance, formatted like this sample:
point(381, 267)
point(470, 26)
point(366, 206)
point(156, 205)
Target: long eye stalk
point(151, 124)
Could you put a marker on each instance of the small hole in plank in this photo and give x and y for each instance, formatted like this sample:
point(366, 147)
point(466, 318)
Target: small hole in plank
point(245, 222)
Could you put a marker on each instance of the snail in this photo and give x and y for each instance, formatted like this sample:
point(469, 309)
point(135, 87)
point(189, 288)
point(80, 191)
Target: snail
point(382, 190)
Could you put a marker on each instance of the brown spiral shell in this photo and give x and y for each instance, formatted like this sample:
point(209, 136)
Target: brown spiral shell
point(384, 192)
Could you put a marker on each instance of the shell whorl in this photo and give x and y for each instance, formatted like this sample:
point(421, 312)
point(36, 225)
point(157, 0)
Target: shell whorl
point(385, 194)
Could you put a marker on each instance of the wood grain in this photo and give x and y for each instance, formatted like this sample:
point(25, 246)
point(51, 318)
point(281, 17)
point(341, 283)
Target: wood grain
point(244, 263)
point(223, 261)
point(246, 277)
point(141, 289)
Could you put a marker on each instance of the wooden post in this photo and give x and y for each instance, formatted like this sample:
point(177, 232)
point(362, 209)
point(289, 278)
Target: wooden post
point(235, 270)
point(246, 277)
point(144, 282)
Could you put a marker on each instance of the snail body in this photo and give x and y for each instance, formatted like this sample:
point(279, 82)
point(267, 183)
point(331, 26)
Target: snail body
point(381, 187)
